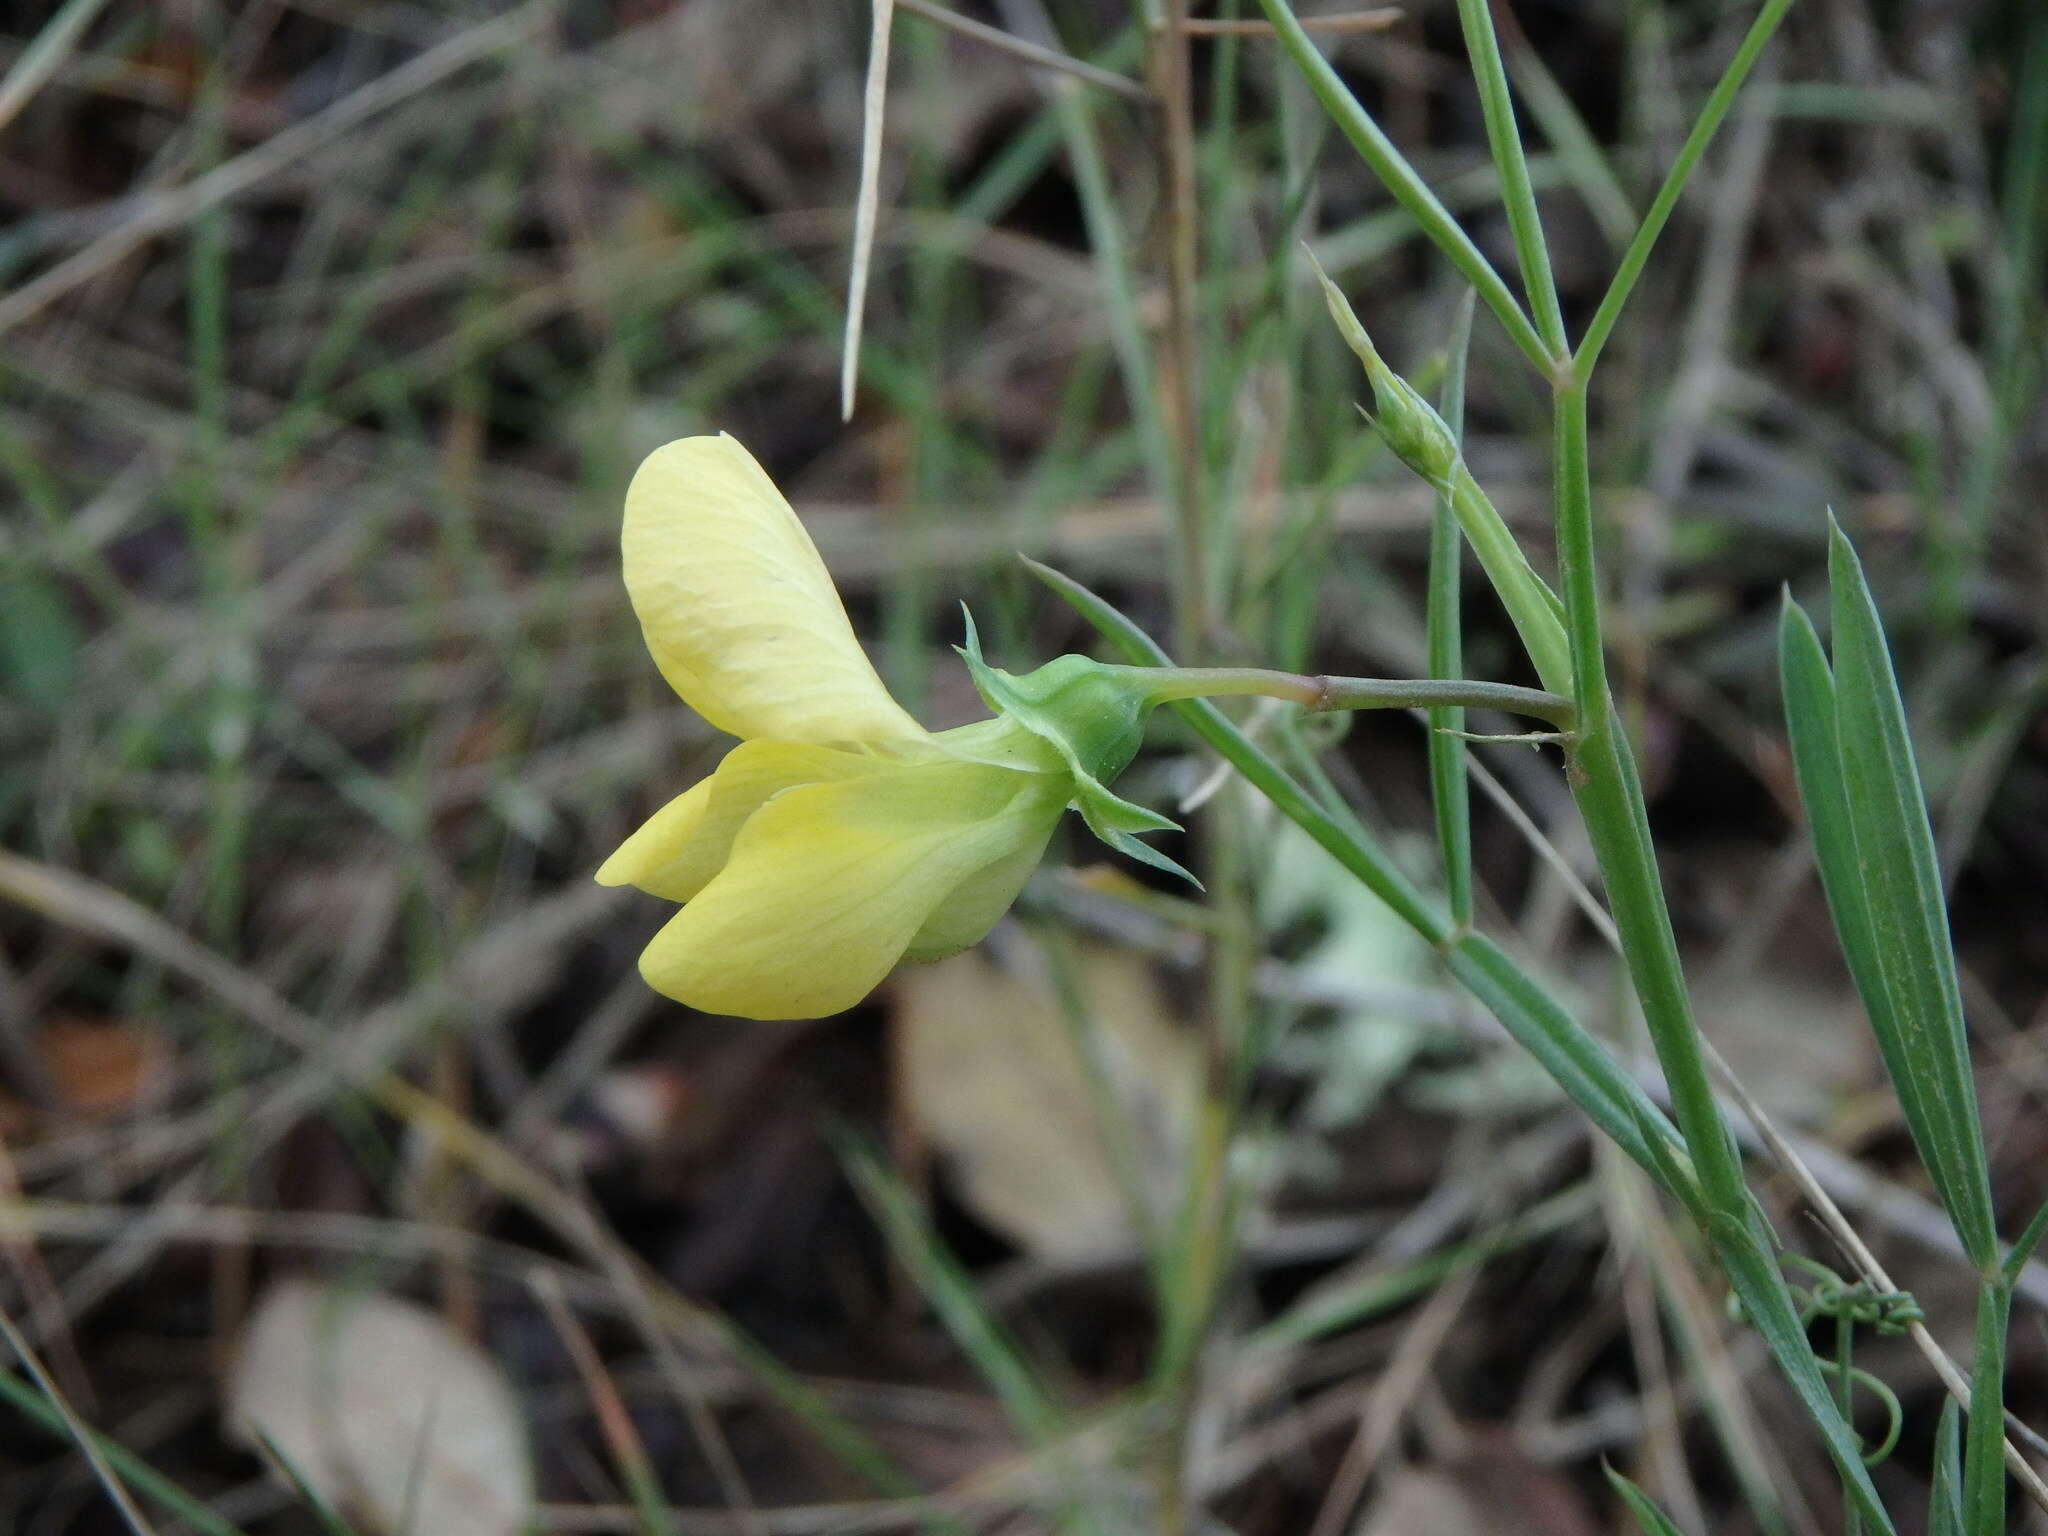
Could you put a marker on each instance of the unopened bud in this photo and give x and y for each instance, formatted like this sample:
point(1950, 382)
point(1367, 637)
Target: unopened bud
point(1407, 423)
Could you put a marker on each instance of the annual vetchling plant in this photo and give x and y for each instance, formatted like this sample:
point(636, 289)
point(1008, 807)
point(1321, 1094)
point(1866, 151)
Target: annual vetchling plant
point(839, 818)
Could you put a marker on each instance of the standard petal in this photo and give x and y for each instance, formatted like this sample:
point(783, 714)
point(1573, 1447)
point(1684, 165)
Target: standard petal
point(682, 845)
point(829, 883)
point(738, 609)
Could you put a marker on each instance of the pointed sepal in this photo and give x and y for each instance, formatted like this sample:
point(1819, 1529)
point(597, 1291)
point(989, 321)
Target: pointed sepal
point(1093, 714)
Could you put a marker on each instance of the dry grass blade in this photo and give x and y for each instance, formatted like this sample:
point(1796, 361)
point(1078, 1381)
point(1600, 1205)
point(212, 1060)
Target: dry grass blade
point(45, 56)
point(159, 213)
point(1348, 21)
point(867, 206)
point(1035, 54)
point(81, 1436)
point(658, 1311)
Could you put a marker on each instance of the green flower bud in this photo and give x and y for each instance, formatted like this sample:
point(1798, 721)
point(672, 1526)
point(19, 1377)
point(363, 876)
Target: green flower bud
point(1093, 714)
point(1409, 424)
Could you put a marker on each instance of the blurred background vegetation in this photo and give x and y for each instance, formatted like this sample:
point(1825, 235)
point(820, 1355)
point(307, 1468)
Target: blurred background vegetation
point(330, 333)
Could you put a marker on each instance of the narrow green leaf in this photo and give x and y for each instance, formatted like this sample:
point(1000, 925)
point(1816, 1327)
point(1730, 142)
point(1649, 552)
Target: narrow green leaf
point(1610, 804)
point(1984, 1440)
point(1637, 256)
point(1518, 196)
point(1945, 1507)
point(39, 640)
point(1650, 1520)
point(1908, 910)
point(2023, 1250)
point(1809, 689)
point(1032, 1409)
point(1576, 1061)
point(1322, 1313)
point(1757, 1283)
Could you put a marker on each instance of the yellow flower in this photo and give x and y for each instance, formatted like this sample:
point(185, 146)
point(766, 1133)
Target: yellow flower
point(839, 837)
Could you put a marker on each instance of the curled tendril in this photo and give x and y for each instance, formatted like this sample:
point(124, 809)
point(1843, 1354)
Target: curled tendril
point(1888, 1312)
point(1895, 1415)
point(1850, 1305)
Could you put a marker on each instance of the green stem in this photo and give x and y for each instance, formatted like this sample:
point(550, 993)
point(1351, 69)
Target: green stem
point(1984, 1438)
point(1604, 782)
point(1517, 196)
point(1322, 693)
point(1637, 256)
point(1399, 177)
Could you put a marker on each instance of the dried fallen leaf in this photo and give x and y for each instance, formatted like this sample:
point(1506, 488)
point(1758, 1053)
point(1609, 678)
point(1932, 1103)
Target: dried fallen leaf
point(991, 1073)
point(383, 1410)
point(102, 1067)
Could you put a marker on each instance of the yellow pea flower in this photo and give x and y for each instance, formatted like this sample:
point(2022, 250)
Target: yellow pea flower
point(839, 837)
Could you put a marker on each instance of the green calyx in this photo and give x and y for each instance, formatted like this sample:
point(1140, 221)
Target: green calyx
point(1093, 715)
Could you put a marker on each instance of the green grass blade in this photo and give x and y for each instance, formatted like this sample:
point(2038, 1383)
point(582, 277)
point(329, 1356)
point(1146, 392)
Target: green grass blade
point(1908, 910)
point(1579, 157)
point(1372, 1296)
point(1033, 1411)
point(1650, 1520)
point(1757, 1283)
point(1449, 792)
point(953, 1297)
point(1610, 801)
point(1984, 1441)
point(324, 1514)
point(146, 1480)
